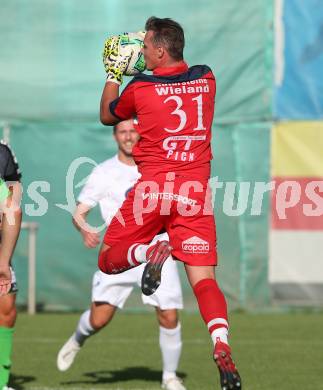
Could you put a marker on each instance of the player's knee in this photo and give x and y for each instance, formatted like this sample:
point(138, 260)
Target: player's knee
point(99, 322)
point(107, 265)
point(168, 318)
point(8, 317)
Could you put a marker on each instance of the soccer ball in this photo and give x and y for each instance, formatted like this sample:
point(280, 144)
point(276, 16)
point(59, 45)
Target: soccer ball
point(132, 43)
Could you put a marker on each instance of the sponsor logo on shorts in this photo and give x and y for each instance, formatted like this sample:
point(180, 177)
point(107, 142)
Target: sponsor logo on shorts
point(169, 196)
point(195, 245)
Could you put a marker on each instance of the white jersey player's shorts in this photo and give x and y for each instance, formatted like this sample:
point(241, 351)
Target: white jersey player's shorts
point(115, 289)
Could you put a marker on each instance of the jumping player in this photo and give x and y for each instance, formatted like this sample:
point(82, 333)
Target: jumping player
point(175, 107)
point(107, 186)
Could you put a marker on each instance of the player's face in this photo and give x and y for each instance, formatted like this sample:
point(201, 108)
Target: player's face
point(151, 53)
point(126, 137)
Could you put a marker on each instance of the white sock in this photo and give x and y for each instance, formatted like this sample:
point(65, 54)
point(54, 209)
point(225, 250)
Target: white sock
point(84, 328)
point(220, 333)
point(170, 342)
point(140, 253)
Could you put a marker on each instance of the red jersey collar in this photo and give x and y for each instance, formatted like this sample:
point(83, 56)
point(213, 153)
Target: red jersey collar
point(171, 70)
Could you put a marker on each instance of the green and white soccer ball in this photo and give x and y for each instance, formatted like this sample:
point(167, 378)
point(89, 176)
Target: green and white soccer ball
point(131, 44)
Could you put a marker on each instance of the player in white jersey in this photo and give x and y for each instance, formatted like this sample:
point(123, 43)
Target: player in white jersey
point(108, 186)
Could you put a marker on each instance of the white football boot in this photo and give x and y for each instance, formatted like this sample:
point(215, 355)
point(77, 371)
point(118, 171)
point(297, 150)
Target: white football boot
point(7, 388)
point(173, 384)
point(67, 353)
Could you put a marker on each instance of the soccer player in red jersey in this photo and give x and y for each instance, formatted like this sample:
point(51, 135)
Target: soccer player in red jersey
point(174, 107)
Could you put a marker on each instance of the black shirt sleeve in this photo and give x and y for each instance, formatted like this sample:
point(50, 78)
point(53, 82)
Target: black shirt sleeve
point(9, 168)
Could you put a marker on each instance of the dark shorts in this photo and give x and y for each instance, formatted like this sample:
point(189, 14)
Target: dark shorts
point(14, 286)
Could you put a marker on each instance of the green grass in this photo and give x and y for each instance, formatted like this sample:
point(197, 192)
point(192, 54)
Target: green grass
point(272, 351)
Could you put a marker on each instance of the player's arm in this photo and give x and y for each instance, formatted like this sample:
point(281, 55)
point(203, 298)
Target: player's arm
point(90, 236)
point(109, 94)
point(11, 224)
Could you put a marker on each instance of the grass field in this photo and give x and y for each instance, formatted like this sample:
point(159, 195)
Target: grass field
point(273, 352)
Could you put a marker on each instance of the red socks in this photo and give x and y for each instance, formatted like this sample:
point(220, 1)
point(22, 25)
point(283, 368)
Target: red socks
point(118, 258)
point(212, 304)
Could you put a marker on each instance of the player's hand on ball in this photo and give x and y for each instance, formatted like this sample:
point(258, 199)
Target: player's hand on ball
point(115, 64)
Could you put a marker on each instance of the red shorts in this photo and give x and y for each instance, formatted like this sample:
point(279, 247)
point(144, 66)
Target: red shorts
point(180, 207)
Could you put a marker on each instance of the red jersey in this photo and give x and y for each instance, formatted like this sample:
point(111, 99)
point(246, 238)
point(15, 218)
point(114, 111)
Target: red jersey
point(175, 108)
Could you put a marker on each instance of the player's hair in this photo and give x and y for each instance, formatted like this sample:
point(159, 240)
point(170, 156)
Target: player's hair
point(116, 125)
point(169, 34)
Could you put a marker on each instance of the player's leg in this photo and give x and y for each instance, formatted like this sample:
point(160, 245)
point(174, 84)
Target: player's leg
point(127, 240)
point(93, 320)
point(119, 257)
point(90, 322)
point(167, 301)
point(127, 245)
point(213, 309)
point(170, 342)
point(8, 316)
point(211, 301)
point(108, 294)
point(129, 253)
point(193, 237)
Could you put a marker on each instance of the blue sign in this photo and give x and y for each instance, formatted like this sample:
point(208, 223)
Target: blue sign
point(299, 60)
